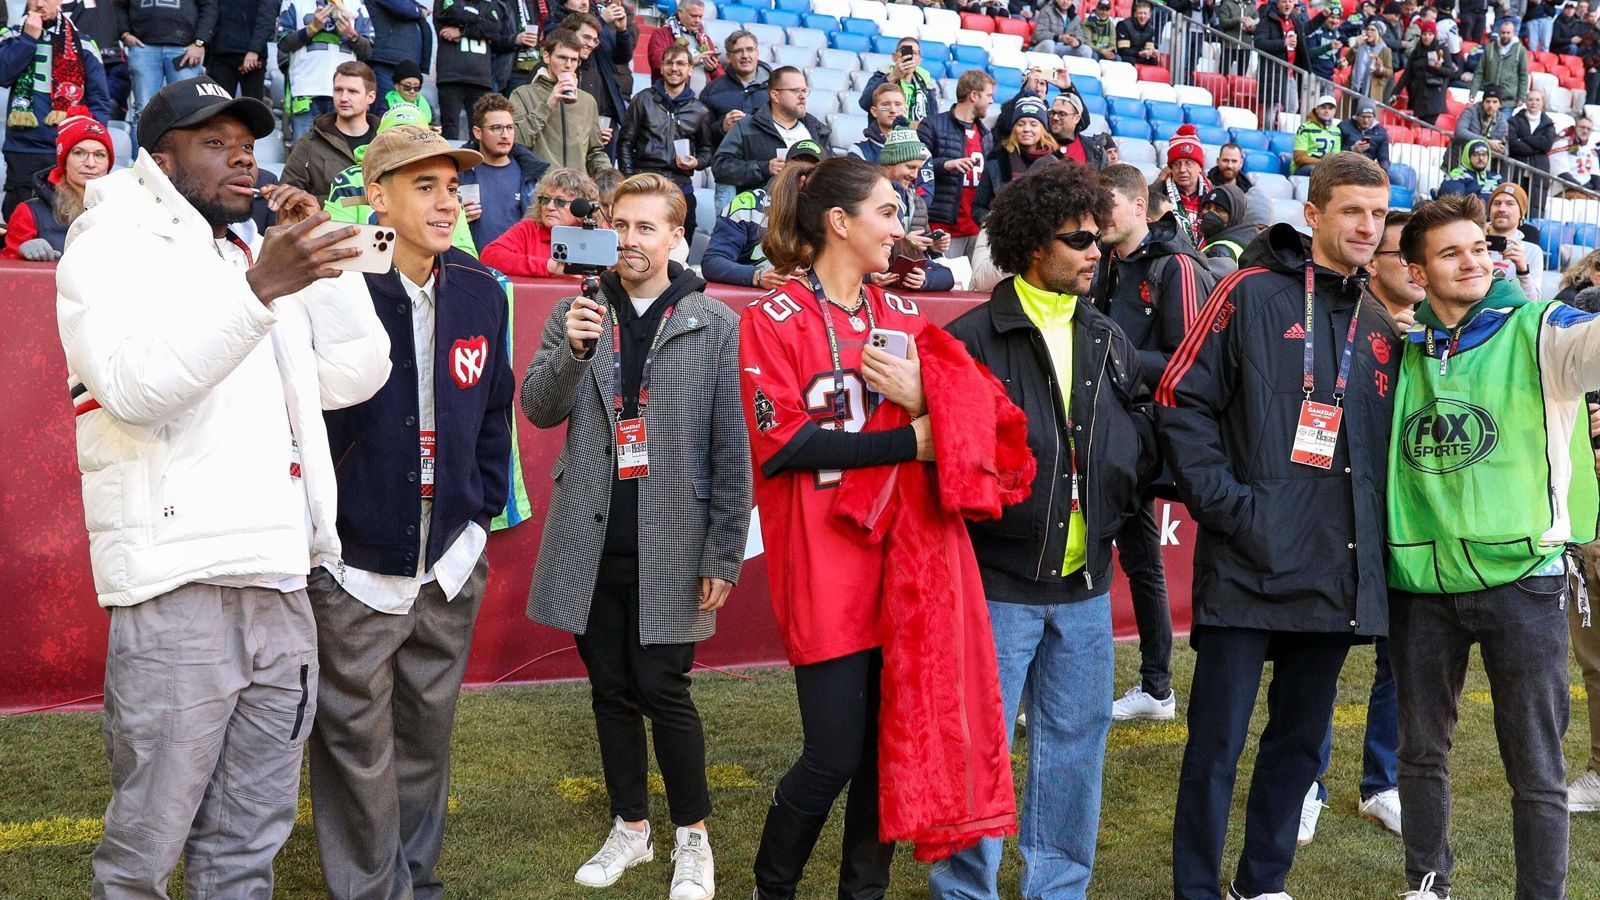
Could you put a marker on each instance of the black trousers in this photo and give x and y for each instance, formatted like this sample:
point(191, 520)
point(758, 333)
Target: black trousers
point(20, 169)
point(1227, 675)
point(223, 68)
point(1139, 551)
point(629, 682)
point(455, 102)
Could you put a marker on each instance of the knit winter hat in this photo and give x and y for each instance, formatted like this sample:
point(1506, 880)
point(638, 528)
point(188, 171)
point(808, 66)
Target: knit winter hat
point(1428, 28)
point(901, 145)
point(1186, 145)
point(1030, 108)
point(407, 68)
point(1516, 192)
point(78, 127)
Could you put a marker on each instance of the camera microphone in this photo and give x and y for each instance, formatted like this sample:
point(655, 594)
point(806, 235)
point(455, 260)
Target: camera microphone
point(583, 208)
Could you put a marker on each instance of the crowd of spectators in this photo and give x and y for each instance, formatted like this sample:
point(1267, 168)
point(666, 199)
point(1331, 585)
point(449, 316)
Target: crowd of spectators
point(539, 85)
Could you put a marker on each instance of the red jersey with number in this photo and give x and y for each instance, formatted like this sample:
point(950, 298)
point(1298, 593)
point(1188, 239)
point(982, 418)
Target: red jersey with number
point(964, 225)
point(824, 576)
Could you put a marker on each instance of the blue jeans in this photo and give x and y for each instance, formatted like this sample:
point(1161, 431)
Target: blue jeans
point(1064, 653)
point(1380, 766)
point(1539, 33)
point(154, 66)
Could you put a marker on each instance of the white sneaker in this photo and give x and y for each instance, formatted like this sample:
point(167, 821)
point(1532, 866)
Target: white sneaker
point(693, 872)
point(1310, 812)
point(1136, 704)
point(1583, 795)
point(1425, 891)
point(1279, 895)
point(1383, 808)
point(623, 849)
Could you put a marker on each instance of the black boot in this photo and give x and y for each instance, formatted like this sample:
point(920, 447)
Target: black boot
point(787, 840)
point(863, 859)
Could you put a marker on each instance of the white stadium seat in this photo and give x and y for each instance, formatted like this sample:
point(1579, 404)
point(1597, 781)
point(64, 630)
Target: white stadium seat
point(1155, 90)
point(1133, 150)
point(826, 79)
point(942, 17)
point(799, 57)
point(869, 9)
point(1077, 65)
point(1274, 186)
point(1195, 96)
point(1235, 117)
point(808, 37)
point(766, 35)
point(1006, 41)
point(836, 8)
point(839, 60)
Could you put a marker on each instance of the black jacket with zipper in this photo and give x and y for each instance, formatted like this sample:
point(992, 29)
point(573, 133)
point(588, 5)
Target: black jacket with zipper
point(469, 60)
point(653, 122)
point(1154, 302)
point(1283, 546)
point(1020, 554)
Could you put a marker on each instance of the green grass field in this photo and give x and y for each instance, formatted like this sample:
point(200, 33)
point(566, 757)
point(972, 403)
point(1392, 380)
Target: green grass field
point(529, 806)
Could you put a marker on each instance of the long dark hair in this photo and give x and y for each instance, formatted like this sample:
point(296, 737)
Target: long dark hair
point(801, 198)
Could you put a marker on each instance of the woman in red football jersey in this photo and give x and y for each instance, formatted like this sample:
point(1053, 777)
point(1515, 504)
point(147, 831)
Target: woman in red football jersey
point(809, 384)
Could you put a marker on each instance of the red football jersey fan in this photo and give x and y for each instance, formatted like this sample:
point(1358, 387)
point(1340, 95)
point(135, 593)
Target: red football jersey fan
point(824, 577)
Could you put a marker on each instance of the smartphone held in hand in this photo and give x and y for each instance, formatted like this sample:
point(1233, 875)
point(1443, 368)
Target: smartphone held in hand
point(376, 243)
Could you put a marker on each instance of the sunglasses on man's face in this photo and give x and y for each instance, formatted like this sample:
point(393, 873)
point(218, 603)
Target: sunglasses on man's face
point(557, 202)
point(1079, 240)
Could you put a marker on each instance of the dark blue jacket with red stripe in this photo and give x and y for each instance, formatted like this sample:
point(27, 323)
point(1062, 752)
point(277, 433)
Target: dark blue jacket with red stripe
point(1155, 293)
point(1283, 546)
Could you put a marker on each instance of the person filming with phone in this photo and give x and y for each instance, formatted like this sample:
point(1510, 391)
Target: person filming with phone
point(424, 466)
point(208, 357)
point(645, 376)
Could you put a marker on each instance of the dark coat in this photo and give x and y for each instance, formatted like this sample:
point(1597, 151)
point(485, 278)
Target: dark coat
point(998, 171)
point(17, 51)
point(742, 158)
point(244, 26)
point(1020, 553)
point(725, 94)
point(1531, 146)
point(482, 23)
point(1377, 140)
point(693, 509)
point(1427, 83)
point(1131, 39)
point(317, 158)
point(1271, 32)
point(1154, 302)
point(400, 32)
point(374, 444)
point(945, 138)
point(653, 122)
point(174, 24)
point(1282, 546)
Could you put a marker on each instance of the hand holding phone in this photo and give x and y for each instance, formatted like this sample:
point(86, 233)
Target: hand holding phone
point(374, 246)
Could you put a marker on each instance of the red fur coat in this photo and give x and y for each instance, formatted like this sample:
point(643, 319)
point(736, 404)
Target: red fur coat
point(944, 770)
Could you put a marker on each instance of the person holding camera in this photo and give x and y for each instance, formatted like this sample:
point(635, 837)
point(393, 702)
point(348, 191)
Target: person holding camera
point(555, 118)
point(920, 88)
point(524, 250)
point(424, 466)
point(646, 530)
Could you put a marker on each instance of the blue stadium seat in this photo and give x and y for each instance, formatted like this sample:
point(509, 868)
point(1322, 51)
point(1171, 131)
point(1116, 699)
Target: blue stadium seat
point(782, 18)
point(797, 6)
point(859, 26)
point(667, 7)
point(1282, 141)
point(1212, 134)
point(1163, 111)
point(1195, 114)
point(1262, 161)
point(1127, 107)
point(1551, 236)
point(1403, 175)
point(1093, 104)
point(970, 56)
point(1400, 197)
point(1584, 234)
point(1124, 126)
point(819, 21)
point(1088, 84)
point(855, 43)
point(1006, 81)
point(883, 43)
point(736, 13)
point(936, 68)
point(1252, 140)
point(935, 50)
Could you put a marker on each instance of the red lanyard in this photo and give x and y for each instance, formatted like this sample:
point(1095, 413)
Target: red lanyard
point(649, 363)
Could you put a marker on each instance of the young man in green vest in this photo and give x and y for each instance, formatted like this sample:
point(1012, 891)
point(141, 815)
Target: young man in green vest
point(1490, 477)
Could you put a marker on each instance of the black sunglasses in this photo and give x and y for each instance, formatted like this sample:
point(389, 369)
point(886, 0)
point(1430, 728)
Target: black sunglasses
point(1078, 240)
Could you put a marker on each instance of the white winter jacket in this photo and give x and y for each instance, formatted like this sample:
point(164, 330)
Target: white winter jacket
point(187, 388)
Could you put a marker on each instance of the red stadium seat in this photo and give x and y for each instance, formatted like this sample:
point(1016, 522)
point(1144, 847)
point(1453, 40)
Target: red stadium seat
point(1023, 28)
point(1214, 82)
point(977, 22)
point(1242, 91)
point(1453, 106)
point(1447, 121)
point(1400, 134)
point(1153, 73)
point(1427, 137)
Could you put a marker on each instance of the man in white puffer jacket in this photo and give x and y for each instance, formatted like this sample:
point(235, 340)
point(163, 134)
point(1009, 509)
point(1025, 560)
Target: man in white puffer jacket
point(199, 363)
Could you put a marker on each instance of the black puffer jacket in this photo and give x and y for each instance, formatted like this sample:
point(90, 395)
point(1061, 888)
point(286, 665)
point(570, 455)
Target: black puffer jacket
point(653, 122)
point(1154, 294)
point(1283, 546)
point(469, 60)
point(742, 159)
point(1020, 554)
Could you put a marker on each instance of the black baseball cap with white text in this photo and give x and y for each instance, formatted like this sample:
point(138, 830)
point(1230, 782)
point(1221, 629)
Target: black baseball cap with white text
point(193, 101)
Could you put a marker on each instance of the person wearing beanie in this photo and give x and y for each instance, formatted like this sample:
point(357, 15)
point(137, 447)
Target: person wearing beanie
point(37, 229)
point(1362, 133)
point(1226, 223)
point(1487, 120)
point(1521, 259)
point(50, 67)
point(408, 92)
point(1184, 181)
point(1317, 136)
point(1026, 144)
point(903, 160)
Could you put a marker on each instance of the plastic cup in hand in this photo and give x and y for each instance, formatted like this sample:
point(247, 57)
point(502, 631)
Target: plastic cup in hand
point(604, 122)
point(469, 193)
point(681, 147)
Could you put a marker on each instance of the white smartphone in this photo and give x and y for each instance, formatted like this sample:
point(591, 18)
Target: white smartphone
point(376, 243)
point(593, 248)
point(894, 343)
point(469, 193)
